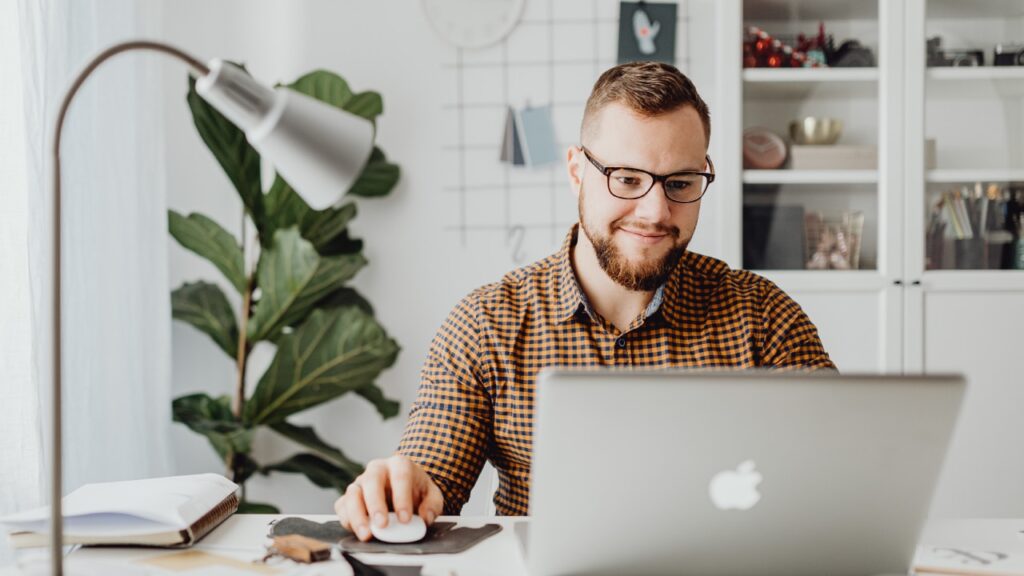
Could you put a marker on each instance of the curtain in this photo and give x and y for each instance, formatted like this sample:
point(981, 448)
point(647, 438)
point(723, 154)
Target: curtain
point(20, 471)
point(116, 303)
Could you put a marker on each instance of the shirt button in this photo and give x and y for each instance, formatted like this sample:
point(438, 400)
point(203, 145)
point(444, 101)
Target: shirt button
point(621, 342)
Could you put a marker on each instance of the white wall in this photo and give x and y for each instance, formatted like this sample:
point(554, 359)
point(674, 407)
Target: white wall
point(417, 270)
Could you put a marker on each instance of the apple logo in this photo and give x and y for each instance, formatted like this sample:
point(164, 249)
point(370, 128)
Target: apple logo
point(736, 489)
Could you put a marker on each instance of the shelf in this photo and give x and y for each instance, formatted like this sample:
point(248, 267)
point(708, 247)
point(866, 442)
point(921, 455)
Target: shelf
point(826, 280)
point(973, 280)
point(989, 9)
point(974, 73)
point(966, 81)
point(808, 10)
point(801, 82)
point(813, 75)
point(810, 176)
point(971, 176)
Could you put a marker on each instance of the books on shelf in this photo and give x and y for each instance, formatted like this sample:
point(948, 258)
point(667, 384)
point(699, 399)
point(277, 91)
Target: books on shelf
point(833, 157)
point(172, 512)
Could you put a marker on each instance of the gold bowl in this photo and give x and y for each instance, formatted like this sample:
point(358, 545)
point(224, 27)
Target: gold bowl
point(813, 131)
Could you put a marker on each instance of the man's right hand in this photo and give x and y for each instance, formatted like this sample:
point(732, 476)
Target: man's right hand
point(410, 489)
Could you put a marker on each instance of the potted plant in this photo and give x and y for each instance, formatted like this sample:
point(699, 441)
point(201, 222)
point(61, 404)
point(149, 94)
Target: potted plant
point(328, 342)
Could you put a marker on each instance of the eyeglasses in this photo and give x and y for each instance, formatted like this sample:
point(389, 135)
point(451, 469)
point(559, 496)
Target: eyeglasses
point(632, 183)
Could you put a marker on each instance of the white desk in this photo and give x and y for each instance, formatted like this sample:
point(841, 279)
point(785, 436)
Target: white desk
point(242, 536)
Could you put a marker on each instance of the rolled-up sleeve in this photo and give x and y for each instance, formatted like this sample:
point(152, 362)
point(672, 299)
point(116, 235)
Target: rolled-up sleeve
point(451, 420)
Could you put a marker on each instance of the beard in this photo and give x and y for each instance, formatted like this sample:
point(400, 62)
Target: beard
point(642, 276)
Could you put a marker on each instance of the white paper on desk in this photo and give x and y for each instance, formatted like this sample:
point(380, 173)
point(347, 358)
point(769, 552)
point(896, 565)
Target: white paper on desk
point(132, 507)
point(970, 562)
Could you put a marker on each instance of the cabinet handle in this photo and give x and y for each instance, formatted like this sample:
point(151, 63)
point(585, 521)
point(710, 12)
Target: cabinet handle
point(915, 283)
point(897, 282)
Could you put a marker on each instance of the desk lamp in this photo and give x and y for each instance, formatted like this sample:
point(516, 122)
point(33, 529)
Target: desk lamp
point(320, 150)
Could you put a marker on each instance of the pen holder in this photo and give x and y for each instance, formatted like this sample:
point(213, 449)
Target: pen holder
point(970, 253)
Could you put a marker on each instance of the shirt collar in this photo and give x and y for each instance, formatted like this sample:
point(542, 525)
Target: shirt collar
point(570, 297)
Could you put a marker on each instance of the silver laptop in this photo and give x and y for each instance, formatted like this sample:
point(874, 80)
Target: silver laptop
point(738, 473)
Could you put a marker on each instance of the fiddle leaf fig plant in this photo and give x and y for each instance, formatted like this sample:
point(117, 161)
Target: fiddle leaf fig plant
point(328, 342)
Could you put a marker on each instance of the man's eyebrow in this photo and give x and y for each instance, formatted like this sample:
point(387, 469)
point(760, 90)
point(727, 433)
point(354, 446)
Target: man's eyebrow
point(703, 165)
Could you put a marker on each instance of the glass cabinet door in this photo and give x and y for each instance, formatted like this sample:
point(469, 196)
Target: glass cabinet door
point(974, 135)
point(810, 119)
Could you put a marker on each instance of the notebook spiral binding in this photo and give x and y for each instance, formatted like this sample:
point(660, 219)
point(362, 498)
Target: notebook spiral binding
point(207, 522)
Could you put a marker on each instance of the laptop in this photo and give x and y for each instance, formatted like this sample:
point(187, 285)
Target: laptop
point(734, 472)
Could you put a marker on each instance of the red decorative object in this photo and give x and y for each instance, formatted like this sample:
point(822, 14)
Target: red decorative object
point(762, 50)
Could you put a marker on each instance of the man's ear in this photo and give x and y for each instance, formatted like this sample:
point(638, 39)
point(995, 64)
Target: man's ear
point(574, 162)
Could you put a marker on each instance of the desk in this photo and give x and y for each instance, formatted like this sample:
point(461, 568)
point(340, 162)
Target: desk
point(243, 535)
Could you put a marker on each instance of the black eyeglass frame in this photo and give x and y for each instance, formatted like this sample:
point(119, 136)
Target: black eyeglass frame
point(655, 178)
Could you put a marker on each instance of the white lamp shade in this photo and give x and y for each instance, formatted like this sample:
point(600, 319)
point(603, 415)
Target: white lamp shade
point(319, 149)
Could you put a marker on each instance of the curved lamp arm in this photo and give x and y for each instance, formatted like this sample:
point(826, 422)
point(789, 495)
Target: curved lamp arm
point(319, 149)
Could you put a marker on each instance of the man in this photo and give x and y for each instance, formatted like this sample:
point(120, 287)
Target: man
point(622, 291)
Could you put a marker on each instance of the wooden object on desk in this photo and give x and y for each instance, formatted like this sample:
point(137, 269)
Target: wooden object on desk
point(300, 548)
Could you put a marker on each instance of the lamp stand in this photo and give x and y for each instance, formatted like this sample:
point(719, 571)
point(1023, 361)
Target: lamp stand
point(56, 518)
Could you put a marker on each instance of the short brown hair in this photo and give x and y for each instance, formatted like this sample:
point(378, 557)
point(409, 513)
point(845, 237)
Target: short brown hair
point(649, 88)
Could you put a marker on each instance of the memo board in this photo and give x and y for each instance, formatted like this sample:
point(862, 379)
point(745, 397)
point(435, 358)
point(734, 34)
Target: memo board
point(552, 57)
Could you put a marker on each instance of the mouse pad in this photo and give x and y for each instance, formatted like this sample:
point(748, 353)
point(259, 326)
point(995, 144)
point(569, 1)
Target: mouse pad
point(441, 538)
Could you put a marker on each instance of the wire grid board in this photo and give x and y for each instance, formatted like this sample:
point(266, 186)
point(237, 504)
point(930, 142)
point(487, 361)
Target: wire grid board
point(553, 56)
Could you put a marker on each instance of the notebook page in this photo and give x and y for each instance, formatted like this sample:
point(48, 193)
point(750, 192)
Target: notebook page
point(172, 502)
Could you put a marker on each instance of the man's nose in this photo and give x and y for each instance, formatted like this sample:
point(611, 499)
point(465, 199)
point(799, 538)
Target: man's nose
point(654, 206)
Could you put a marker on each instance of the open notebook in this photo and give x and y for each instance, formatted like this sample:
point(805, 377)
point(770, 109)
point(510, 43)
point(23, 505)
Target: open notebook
point(173, 511)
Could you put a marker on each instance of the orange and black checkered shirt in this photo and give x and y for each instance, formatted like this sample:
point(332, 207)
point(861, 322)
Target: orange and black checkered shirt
point(475, 401)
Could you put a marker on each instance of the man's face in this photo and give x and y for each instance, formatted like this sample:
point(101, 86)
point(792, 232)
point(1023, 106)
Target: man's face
point(637, 242)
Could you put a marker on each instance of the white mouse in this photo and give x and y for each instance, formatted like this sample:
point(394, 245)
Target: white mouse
point(397, 533)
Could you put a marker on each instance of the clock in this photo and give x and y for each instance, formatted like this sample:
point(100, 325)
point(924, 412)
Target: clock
point(473, 23)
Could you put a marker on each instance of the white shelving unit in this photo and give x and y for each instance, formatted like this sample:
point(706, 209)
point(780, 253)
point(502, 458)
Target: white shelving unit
point(897, 316)
point(981, 73)
point(798, 83)
point(955, 176)
point(809, 75)
point(810, 176)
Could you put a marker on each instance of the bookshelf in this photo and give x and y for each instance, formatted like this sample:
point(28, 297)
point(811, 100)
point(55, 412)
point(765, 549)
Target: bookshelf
point(897, 314)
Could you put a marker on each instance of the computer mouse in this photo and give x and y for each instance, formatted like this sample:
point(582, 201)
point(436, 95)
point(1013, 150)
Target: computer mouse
point(397, 533)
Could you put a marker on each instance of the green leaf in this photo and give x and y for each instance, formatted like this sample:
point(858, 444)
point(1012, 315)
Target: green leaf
point(205, 307)
point(212, 418)
point(243, 467)
point(369, 105)
point(378, 177)
point(325, 86)
point(233, 152)
point(342, 244)
point(334, 351)
point(319, 471)
point(285, 208)
point(321, 227)
point(346, 296)
point(385, 406)
point(306, 436)
point(249, 507)
point(292, 278)
point(207, 239)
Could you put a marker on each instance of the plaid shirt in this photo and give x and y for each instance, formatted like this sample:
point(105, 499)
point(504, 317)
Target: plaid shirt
point(475, 401)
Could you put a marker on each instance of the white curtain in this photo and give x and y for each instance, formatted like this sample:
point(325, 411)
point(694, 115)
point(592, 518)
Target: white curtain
point(20, 470)
point(116, 305)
